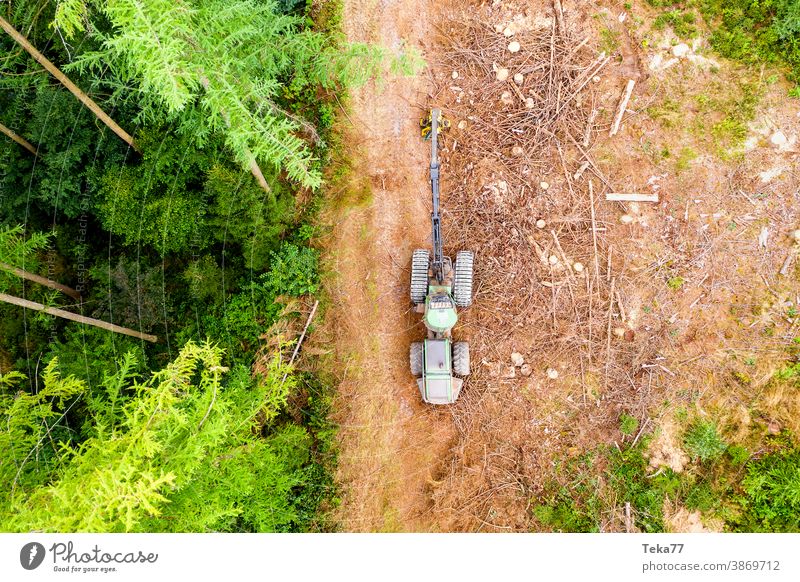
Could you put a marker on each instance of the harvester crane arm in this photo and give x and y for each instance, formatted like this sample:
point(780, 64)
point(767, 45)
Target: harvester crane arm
point(436, 223)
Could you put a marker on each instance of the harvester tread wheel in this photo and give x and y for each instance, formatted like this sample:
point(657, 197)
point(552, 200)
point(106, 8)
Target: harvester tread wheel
point(415, 357)
point(461, 358)
point(419, 275)
point(462, 283)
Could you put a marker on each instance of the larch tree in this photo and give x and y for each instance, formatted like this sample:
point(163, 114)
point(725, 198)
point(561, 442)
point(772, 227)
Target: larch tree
point(222, 66)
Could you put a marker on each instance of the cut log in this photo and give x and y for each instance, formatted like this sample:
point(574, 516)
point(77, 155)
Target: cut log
point(62, 78)
point(623, 104)
point(631, 197)
point(75, 317)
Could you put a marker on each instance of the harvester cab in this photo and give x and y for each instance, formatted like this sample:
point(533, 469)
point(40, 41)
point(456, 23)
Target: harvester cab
point(438, 288)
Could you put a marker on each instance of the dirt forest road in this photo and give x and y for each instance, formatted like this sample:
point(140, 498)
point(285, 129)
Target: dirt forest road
point(391, 445)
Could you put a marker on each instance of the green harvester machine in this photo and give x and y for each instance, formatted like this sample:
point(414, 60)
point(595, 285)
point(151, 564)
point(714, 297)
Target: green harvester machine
point(438, 288)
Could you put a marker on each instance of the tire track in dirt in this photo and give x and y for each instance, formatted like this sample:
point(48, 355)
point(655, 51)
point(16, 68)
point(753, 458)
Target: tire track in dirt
point(391, 445)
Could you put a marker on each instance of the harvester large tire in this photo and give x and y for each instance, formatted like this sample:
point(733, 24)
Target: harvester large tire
point(419, 276)
point(415, 356)
point(462, 282)
point(461, 358)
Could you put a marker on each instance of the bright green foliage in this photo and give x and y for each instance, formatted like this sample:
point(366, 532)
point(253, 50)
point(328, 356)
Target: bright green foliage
point(628, 424)
point(772, 488)
point(93, 355)
point(179, 451)
point(572, 504)
point(628, 478)
point(563, 513)
point(683, 23)
point(28, 439)
point(702, 441)
point(217, 66)
point(70, 17)
point(20, 251)
point(154, 203)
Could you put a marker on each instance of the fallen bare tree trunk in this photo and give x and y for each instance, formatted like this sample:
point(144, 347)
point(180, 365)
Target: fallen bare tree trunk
point(302, 337)
point(623, 105)
point(631, 197)
point(82, 97)
point(17, 138)
point(75, 317)
point(41, 280)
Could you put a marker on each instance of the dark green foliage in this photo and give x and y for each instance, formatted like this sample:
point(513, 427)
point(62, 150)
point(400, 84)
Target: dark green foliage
point(767, 31)
point(156, 203)
point(702, 441)
point(130, 293)
point(20, 251)
point(240, 212)
point(772, 493)
point(245, 316)
point(294, 271)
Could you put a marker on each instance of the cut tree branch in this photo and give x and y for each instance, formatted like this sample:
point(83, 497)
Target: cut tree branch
point(82, 97)
point(17, 138)
point(75, 317)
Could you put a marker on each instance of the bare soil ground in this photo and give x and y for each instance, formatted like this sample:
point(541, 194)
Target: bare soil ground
point(687, 303)
point(392, 446)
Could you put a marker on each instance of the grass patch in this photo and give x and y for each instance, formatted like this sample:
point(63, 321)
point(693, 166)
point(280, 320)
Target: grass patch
point(682, 22)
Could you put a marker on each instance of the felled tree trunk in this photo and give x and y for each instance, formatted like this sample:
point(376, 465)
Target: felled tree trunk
point(41, 280)
point(82, 97)
point(17, 138)
point(75, 317)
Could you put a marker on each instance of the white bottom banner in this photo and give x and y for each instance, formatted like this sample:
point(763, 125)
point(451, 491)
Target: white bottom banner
point(410, 557)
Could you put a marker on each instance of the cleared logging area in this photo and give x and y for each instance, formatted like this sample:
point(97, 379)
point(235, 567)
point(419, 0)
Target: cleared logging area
point(523, 192)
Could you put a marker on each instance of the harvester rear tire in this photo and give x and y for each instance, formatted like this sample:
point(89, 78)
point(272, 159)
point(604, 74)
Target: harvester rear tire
point(415, 357)
point(461, 358)
point(419, 275)
point(462, 282)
